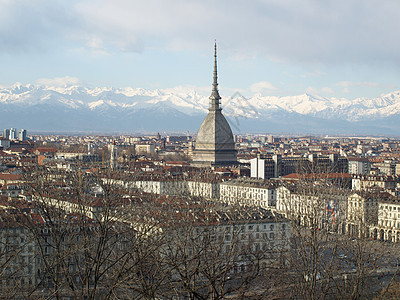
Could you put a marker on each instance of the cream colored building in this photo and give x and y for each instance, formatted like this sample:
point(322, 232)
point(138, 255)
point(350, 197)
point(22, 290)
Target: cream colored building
point(145, 148)
point(369, 182)
point(362, 213)
point(251, 192)
point(388, 227)
point(324, 208)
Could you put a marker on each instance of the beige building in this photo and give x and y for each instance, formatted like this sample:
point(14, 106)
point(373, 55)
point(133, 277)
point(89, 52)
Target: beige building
point(250, 192)
point(362, 212)
point(145, 148)
point(388, 227)
point(359, 165)
point(18, 255)
point(369, 182)
point(323, 208)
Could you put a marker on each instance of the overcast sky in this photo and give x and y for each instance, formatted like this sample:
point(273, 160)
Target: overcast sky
point(341, 48)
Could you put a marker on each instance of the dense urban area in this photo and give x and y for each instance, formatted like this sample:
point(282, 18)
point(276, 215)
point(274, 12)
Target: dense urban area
point(136, 217)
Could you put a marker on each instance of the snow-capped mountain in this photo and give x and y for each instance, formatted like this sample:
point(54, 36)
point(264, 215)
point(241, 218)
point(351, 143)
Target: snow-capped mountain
point(76, 108)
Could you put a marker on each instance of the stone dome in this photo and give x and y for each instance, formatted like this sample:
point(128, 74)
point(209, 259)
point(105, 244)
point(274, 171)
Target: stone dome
point(214, 142)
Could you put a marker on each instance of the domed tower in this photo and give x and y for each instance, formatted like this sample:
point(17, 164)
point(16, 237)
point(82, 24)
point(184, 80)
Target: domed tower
point(214, 143)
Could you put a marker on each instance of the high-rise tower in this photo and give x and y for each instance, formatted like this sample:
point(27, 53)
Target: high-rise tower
point(113, 156)
point(13, 134)
point(6, 133)
point(22, 135)
point(214, 143)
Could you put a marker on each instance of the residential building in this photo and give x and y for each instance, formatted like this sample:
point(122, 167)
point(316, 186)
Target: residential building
point(6, 133)
point(4, 143)
point(22, 135)
point(388, 227)
point(362, 212)
point(249, 192)
point(313, 206)
point(359, 166)
point(145, 148)
point(368, 183)
point(387, 167)
point(113, 156)
point(13, 134)
point(18, 254)
point(275, 166)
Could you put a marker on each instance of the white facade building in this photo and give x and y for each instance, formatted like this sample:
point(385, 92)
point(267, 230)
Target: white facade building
point(13, 134)
point(388, 227)
point(113, 156)
point(362, 213)
point(367, 183)
point(324, 208)
point(145, 149)
point(22, 135)
point(4, 143)
point(248, 192)
point(359, 166)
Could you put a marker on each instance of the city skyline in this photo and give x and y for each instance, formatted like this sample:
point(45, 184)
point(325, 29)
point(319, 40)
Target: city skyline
point(274, 48)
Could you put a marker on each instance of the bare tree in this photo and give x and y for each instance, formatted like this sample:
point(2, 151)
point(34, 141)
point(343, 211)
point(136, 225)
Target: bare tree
point(329, 260)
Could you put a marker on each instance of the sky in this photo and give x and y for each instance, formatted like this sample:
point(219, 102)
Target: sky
point(340, 48)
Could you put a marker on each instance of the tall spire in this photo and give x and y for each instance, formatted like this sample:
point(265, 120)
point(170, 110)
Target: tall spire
point(215, 97)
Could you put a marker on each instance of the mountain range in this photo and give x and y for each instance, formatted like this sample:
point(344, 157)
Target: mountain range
point(136, 110)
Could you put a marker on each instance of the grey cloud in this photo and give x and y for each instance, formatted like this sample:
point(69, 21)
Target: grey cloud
point(301, 31)
point(351, 31)
point(28, 25)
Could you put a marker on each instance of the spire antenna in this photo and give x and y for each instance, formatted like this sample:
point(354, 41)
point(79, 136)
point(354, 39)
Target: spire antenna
point(215, 97)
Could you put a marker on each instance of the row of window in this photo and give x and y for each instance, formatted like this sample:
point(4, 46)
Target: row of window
point(388, 207)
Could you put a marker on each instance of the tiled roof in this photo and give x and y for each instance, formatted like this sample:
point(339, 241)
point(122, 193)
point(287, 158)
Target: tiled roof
point(6, 176)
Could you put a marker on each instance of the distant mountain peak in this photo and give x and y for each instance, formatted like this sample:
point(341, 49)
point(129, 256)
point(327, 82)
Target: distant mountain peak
point(133, 106)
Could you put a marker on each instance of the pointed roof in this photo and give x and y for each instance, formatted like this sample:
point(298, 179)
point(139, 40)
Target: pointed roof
point(214, 141)
point(215, 97)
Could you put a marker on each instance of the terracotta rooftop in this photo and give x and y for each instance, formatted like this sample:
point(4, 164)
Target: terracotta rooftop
point(317, 176)
point(46, 150)
point(6, 176)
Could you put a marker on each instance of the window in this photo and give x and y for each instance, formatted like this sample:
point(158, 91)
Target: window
point(271, 227)
point(272, 235)
point(250, 227)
